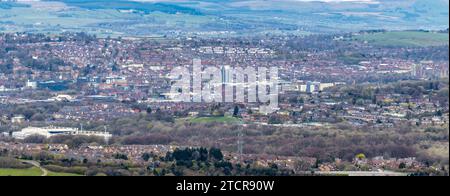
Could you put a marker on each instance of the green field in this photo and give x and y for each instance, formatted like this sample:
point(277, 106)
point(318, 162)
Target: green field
point(225, 119)
point(26, 19)
point(405, 38)
point(33, 171)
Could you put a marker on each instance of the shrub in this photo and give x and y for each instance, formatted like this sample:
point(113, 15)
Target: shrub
point(6, 162)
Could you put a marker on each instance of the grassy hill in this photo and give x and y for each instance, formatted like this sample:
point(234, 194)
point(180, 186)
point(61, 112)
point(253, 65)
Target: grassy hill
point(225, 119)
point(405, 38)
point(245, 17)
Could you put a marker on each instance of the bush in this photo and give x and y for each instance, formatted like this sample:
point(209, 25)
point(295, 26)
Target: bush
point(73, 170)
point(76, 141)
point(6, 162)
point(35, 139)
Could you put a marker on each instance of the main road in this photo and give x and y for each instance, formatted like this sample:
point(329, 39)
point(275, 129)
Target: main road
point(363, 173)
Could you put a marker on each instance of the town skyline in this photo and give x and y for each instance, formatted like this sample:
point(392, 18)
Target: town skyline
point(224, 88)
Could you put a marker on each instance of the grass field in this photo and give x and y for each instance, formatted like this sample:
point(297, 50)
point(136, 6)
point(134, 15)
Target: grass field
point(405, 38)
point(33, 171)
point(225, 119)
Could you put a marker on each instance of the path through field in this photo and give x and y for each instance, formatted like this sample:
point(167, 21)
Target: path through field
point(38, 165)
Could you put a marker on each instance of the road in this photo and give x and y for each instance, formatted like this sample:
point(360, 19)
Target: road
point(38, 165)
point(362, 173)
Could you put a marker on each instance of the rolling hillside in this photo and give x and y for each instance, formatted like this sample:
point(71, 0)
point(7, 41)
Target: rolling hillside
point(220, 17)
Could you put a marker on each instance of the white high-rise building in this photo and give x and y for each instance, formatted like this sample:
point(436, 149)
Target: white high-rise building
point(227, 74)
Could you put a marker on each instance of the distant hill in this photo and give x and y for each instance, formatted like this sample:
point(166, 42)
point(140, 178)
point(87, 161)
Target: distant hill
point(405, 38)
point(243, 17)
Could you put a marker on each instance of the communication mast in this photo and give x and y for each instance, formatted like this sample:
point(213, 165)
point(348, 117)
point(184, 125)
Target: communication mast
point(105, 134)
point(240, 145)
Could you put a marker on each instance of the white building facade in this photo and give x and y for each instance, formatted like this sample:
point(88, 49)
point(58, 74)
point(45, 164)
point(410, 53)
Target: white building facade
point(54, 131)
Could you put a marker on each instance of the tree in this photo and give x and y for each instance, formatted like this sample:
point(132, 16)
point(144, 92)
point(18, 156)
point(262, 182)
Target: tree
point(149, 110)
point(28, 113)
point(38, 117)
point(273, 120)
point(203, 154)
point(35, 139)
point(216, 153)
point(6, 162)
point(360, 156)
point(302, 165)
point(236, 111)
point(250, 111)
point(146, 156)
point(182, 155)
point(301, 100)
point(120, 156)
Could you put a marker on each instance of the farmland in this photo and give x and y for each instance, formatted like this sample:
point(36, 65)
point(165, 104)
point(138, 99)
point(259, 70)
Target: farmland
point(405, 38)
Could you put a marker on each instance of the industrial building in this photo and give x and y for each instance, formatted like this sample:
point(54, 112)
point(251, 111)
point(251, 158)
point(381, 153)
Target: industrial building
point(54, 131)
